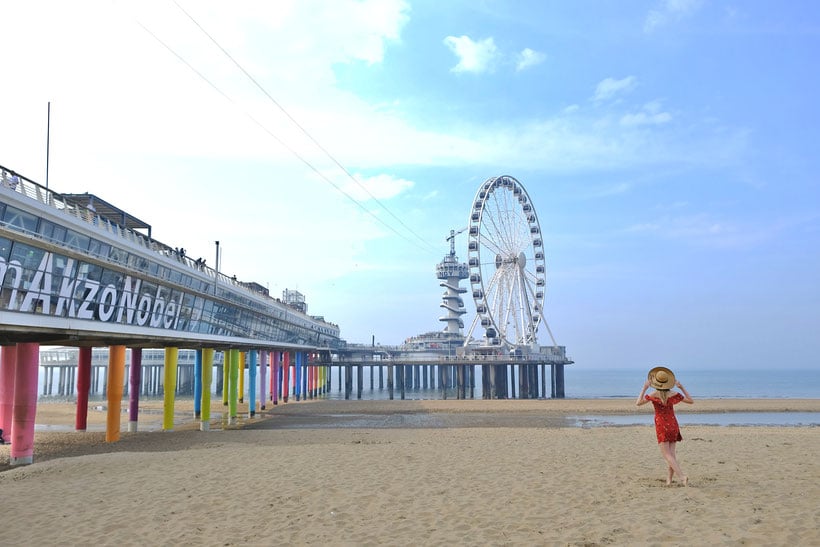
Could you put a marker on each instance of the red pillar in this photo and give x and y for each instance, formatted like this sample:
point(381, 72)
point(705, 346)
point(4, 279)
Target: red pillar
point(25, 403)
point(285, 375)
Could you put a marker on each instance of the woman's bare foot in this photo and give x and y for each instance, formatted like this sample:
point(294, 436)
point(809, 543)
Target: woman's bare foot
point(686, 481)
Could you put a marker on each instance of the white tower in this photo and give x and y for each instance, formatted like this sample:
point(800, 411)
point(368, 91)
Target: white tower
point(451, 272)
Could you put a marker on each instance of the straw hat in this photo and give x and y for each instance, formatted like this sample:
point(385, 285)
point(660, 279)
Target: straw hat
point(661, 378)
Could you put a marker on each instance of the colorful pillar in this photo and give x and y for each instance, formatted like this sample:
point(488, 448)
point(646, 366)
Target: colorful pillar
point(25, 403)
point(170, 387)
point(134, 382)
point(207, 373)
point(83, 387)
point(252, 383)
point(285, 375)
point(297, 381)
point(263, 370)
point(198, 384)
point(305, 375)
point(8, 363)
point(234, 385)
point(226, 375)
point(274, 377)
point(308, 381)
point(241, 365)
point(116, 379)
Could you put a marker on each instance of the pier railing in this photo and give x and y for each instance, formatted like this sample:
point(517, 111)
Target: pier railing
point(27, 187)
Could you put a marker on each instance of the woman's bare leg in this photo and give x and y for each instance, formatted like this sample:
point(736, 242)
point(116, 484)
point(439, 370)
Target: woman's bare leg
point(668, 452)
point(672, 448)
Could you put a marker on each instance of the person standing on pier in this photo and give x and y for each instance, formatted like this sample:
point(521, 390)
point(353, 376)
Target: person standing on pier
point(666, 424)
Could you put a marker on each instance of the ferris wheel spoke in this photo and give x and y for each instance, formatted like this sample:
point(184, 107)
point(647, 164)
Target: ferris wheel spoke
point(493, 248)
point(504, 210)
point(499, 234)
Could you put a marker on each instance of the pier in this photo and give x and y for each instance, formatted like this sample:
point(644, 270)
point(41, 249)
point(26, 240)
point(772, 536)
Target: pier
point(78, 272)
point(477, 377)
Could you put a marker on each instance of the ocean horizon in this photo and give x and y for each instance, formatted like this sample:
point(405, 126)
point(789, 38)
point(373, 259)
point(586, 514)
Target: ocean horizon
point(586, 383)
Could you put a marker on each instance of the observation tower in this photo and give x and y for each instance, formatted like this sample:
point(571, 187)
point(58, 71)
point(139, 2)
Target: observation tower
point(450, 271)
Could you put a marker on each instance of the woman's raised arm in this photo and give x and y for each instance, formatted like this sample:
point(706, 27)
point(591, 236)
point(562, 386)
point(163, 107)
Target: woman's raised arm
point(640, 400)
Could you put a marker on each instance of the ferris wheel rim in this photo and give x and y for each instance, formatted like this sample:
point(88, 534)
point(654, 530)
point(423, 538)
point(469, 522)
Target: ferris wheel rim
point(511, 294)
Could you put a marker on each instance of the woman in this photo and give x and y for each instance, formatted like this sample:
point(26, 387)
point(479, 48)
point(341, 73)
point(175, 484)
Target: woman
point(666, 425)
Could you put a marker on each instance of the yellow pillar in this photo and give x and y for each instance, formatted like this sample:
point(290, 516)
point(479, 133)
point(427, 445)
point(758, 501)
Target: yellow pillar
point(171, 355)
point(207, 373)
point(116, 378)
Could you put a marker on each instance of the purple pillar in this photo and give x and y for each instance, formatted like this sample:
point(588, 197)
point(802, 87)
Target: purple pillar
point(83, 387)
point(134, 381)
point(25, 403)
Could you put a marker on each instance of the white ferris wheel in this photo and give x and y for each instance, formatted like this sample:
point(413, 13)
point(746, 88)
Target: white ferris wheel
point(508, 273)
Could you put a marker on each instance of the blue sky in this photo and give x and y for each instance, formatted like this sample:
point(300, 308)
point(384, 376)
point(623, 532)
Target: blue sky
point(669, 147)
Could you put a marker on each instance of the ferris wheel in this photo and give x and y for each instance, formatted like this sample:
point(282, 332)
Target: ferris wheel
point(508, 273)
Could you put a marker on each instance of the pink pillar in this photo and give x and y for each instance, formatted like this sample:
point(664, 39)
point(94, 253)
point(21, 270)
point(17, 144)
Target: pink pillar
point(25, 403)
point(311, 377)
point(83, 387)
point(8, 362)
point(263, 371)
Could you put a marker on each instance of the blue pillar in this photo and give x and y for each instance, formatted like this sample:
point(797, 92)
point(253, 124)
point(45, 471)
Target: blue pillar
point(198, 384)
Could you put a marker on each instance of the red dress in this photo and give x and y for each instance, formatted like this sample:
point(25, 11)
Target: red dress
point(666, 425)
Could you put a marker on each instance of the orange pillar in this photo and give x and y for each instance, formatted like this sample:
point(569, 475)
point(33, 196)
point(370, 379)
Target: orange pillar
point(116, 380)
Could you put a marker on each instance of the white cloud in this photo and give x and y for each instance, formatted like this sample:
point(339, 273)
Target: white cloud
point(650, 114)
point(379, 187)
point(670, 11)
point(473, 56)
point(706, 230)
point(528, 58)
point(610, 88)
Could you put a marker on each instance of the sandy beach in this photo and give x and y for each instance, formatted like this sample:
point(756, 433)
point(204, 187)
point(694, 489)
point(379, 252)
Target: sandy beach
point(487, 473)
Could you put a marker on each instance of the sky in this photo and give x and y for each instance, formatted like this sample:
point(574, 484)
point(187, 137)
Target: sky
point(669, 148)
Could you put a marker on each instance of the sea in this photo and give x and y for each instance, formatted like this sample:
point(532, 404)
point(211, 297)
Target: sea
point(586, 383)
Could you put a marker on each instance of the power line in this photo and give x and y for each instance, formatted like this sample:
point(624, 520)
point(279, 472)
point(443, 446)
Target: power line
point(299, 126)
point(294, 121)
